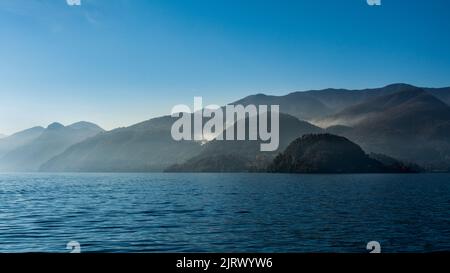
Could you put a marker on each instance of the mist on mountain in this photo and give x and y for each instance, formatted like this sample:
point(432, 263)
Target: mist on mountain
point(401, 121)
point(43, 144)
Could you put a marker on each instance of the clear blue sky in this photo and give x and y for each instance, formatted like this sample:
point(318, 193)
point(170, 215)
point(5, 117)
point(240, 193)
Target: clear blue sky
point(117, 62)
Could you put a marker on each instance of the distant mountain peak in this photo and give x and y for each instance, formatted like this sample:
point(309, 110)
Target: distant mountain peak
point(36, 129)
point(85, 125)
point(55, 125)
point(34, 148)
point(259, 95)
point(400, 86)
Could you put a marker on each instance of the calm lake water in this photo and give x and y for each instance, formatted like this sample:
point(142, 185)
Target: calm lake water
point(224, 212)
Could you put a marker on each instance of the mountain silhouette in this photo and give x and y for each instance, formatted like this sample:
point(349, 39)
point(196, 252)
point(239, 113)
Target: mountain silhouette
point(19, 139)
point(401, 121)
point(243, 155)
point(411, 125)
point(146, 146)
point(313, 105)
point(51, 141)
point(326, 153)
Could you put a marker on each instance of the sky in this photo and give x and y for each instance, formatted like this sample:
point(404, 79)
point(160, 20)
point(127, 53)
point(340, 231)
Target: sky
point(119, 62)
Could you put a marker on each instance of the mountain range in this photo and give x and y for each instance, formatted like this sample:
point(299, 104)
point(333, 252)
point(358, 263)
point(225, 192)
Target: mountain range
point(146, 146)
point(412, 125)
point(314, 104)
point(19, 139)
point(29, 149)
point(244, 155)
point(409, 123)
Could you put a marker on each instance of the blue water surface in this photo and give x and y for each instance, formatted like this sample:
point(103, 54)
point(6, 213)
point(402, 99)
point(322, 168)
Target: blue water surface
point(224, 212)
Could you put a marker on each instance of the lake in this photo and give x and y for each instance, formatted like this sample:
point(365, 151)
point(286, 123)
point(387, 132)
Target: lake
point(224, 212)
